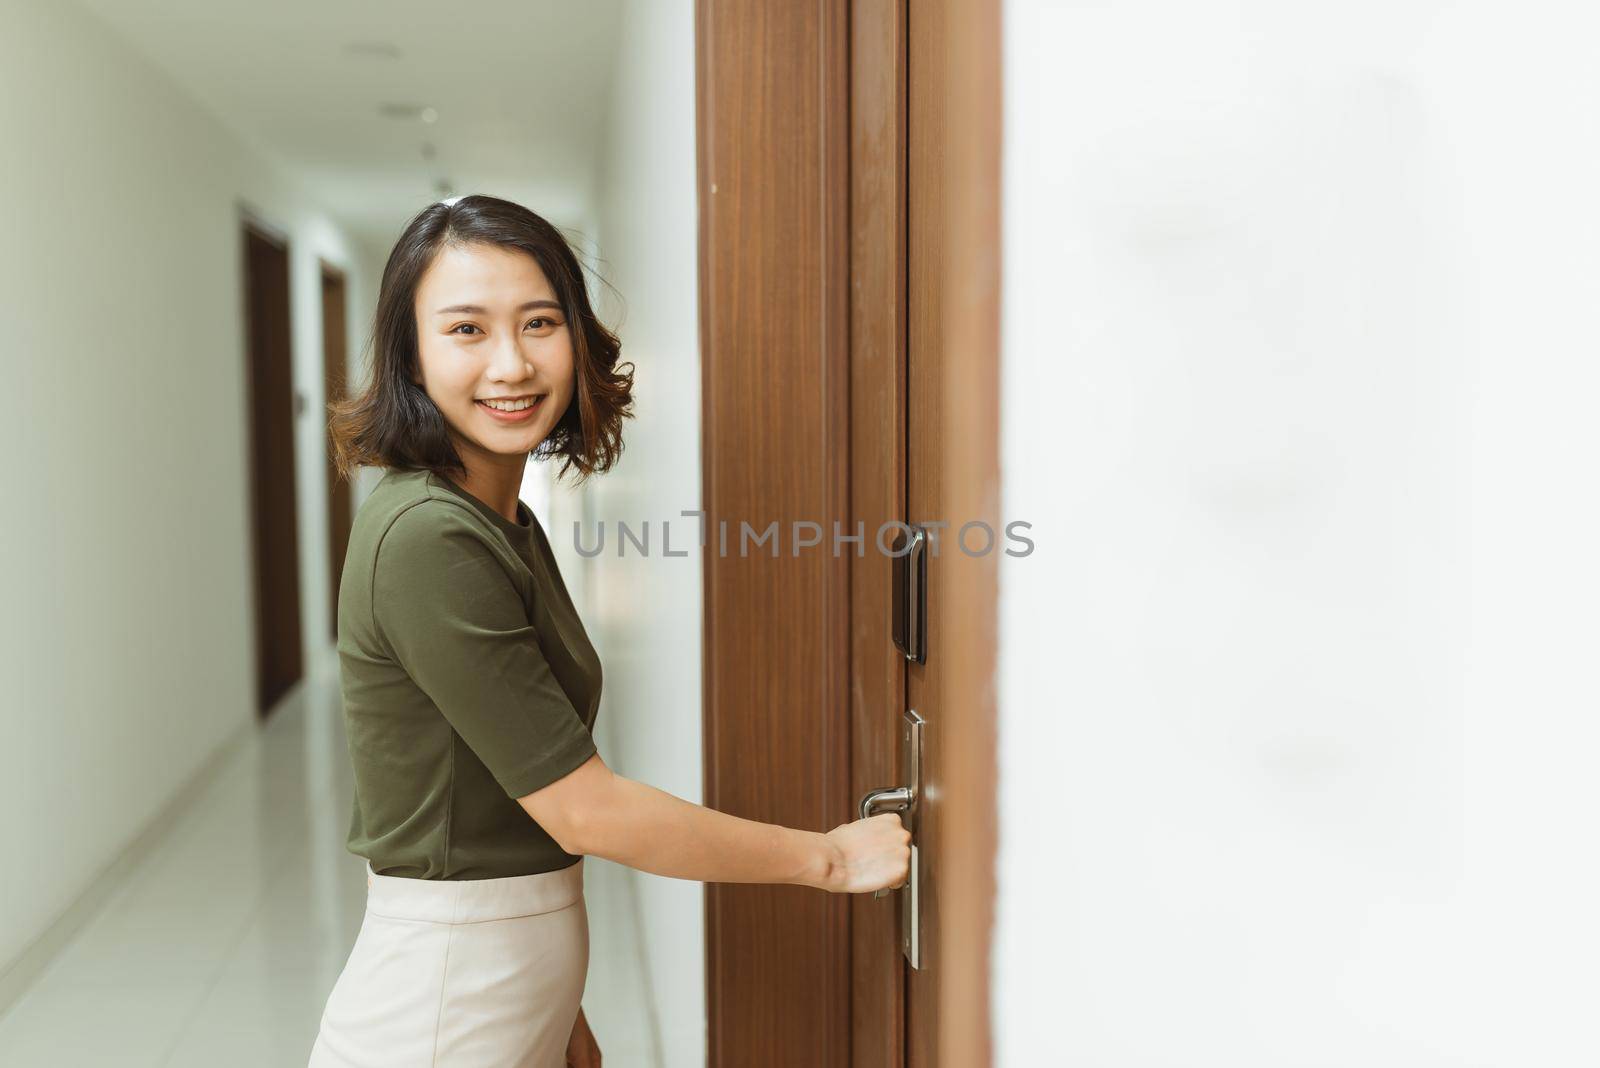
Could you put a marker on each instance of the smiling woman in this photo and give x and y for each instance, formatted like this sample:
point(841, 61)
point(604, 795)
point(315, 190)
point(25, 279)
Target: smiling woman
point(482, 302)
point(470, 687)
point(501, 370)
point(466, 675)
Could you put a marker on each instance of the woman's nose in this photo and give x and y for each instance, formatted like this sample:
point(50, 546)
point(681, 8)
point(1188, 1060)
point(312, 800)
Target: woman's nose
point(510, 363)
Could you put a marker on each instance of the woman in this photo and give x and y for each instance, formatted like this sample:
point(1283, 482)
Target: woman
point(470, 687)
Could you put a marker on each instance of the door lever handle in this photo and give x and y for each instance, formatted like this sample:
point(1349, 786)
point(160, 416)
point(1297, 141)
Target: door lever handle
point(886, 799)
point(901, 798)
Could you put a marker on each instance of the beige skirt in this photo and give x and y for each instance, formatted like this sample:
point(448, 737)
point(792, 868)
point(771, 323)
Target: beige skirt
point(461, 972)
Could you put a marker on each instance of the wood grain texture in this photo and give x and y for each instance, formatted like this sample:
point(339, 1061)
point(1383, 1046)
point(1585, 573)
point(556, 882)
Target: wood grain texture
point(968, 616)
point(926, 690)
point(877, 487)
point(953, 474)
point(849, 234)
point(772, 110)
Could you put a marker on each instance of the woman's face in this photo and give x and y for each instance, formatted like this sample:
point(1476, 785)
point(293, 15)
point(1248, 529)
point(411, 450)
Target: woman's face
point(491, 338)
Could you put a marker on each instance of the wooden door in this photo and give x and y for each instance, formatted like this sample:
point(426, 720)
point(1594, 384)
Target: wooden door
point(275, 552)
point(333, 377)
point(878, 421)
point(773, 188)
point(896, 421)
point(925, 125)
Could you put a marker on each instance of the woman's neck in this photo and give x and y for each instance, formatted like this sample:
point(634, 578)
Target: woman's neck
point(495, 480)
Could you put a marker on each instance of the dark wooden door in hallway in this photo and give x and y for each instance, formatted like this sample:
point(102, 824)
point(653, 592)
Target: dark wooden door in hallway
point(275, 549)
point(340, 510)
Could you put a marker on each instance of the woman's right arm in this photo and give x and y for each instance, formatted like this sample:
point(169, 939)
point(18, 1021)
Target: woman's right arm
point(452, 619)
point(594, 811)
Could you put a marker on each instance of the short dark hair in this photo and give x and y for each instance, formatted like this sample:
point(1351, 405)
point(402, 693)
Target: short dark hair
point(393, 422)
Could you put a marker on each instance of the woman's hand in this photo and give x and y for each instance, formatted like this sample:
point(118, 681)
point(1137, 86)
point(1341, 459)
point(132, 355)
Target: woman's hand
point(582, 1050)
point(869, 854)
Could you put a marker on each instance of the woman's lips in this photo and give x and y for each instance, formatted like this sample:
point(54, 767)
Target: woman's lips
point(513, 417)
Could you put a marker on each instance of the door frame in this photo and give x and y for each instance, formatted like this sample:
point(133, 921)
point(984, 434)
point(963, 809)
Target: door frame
point(797, 302)
point(967, 614)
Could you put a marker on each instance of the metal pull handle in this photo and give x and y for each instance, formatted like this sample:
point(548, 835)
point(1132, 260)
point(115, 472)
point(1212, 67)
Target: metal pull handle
point(887, 799)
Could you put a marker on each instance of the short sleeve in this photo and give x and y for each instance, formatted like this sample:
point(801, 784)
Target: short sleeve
point(457, 624)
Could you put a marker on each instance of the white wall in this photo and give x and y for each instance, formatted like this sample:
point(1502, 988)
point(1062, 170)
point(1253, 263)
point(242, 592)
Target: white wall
point(1299, 712)
point(646, 977)
point(127, 652)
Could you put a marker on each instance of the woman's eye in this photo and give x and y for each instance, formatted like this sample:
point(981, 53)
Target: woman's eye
point(531, 322)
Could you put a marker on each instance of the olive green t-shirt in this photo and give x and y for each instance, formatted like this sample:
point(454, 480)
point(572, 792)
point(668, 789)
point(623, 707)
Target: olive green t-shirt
point(468, 682)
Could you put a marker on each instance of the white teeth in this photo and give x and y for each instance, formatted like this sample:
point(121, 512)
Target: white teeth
point(511, 406)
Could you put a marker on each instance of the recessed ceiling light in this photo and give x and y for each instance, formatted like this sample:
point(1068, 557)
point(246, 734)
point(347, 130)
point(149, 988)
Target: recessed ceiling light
point(372, 49)
point(403, 111)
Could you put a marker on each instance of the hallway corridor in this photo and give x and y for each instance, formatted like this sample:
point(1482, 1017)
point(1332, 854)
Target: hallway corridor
point(178, 889)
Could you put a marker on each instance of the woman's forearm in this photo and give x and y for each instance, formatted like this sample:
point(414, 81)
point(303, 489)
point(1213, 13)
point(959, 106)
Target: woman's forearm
point(635, 824)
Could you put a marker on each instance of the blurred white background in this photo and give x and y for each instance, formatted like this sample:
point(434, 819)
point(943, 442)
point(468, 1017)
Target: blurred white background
point(1299, 694)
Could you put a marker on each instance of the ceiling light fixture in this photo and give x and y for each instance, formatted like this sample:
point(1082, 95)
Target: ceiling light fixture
point(406, 111)
point(372, 49)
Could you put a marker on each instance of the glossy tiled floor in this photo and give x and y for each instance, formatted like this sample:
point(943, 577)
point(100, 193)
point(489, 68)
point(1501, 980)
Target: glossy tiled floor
point(219, 947)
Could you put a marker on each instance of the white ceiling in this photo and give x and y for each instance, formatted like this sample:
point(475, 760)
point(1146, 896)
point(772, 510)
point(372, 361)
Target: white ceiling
point(521, 89)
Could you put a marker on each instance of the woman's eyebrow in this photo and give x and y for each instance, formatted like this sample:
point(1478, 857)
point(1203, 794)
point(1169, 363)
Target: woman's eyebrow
point(477, 309)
